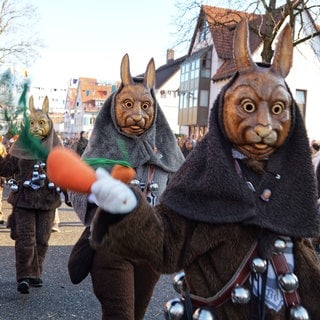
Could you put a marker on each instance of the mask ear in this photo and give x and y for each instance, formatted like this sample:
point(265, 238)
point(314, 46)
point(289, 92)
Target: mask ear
point(45, 105)
point(150, 75)
point(126, 77)
point(241, 49)
point(283, 54)
point(31, 105)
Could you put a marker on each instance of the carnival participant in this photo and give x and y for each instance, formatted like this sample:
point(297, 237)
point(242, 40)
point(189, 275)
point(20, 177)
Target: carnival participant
point(235, 217)
point(33, 199)
point(130, 126)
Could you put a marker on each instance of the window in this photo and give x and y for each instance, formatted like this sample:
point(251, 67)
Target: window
point(301, 99)
point(204, 98)
point(204, 31)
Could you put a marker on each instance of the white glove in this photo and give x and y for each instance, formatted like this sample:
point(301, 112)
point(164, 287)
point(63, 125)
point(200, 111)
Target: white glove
point(112, 195)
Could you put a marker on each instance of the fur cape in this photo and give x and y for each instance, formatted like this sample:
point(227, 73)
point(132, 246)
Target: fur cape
point(207, 188)
point(107, 140)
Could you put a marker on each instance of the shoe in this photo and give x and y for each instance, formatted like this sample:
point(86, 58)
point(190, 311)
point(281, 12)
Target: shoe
point(23, 286)
point(35, 282)
point(55, 228)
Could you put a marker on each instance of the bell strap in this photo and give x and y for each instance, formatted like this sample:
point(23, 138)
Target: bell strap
point(151, 170)
point(239, 278)
point(280, 266)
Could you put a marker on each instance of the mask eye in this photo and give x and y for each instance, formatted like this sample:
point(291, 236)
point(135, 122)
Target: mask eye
point(145, 105)
point(31, 123)
point(128, 104)
point(41, 122)
point(248, 106)
point(277, 108)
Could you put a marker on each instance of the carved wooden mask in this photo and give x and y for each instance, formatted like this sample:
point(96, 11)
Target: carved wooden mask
point(134, 104)
point(257, 106)
point(39, 119)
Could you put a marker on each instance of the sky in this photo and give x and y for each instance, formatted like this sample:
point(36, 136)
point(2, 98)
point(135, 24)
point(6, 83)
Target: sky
point(89, 38)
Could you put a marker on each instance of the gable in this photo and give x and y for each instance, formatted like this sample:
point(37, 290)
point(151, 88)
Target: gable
point(221, 23)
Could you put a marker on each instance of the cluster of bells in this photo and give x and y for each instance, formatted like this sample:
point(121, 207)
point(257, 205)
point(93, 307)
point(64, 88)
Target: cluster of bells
point(288, 282)
point(152, 189)
point(37, 180)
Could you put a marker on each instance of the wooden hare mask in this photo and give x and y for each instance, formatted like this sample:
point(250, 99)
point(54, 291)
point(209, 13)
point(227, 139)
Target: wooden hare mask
point(134, 103)
point(39, 119)
point(257, 107)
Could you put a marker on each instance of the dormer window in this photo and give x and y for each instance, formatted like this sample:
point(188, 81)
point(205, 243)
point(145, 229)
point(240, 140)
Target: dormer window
point(204, 32)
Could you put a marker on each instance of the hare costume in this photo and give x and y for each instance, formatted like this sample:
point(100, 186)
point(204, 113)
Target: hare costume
point(124, 286)
point(235, 217)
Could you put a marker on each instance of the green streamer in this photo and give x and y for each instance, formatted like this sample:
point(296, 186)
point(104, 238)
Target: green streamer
point(123, 149)
point(103, 162)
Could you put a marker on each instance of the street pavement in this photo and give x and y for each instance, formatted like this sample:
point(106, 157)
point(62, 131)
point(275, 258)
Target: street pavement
point(59, 298)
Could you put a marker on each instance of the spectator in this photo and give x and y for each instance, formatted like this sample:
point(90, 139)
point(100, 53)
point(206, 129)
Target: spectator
point(187, 147)
point(81, 144)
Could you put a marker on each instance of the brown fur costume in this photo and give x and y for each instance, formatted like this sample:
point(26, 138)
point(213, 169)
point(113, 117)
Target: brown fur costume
point(32, 209)
point(124, 286)
point(208, 218)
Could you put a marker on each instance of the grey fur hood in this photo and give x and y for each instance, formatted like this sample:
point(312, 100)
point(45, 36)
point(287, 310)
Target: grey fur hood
point(207, 188)
point(107, 141)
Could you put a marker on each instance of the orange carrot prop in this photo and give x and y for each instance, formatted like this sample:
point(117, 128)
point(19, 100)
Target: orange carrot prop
point(66, 169)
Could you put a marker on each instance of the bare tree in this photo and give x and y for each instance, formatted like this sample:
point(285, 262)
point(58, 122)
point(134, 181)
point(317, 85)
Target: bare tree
point(18, 40)
point(272, 15)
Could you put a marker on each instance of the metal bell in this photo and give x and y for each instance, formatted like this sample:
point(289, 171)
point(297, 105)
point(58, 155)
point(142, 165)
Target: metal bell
point(35, 179)
point(279, 246)
point(42, 176)
point(153, 187)
point(14, 188)
point(51, 185)
point(240, 295)
point(299, 313)
point(36, 167)
point(27, 183)
point(288, 282)
point(58, 189)
point(259, 265)
point(174, 309)
point(178, 282)
point(11, 182)
point(42, 165)
point(203, 314)
point(135, 183)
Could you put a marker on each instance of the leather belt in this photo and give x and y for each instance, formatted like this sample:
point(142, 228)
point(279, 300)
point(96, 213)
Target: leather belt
point(242, 274)
point(280, 266)
point(239, 278)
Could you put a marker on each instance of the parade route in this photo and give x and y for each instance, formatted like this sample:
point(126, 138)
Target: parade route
point(59, 298)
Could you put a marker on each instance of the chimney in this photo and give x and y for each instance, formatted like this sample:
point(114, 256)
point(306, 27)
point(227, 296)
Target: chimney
point(170, 55)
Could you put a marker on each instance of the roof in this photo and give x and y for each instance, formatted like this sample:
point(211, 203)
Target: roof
point(222, 23)
point(91, 90)
point(166, 71)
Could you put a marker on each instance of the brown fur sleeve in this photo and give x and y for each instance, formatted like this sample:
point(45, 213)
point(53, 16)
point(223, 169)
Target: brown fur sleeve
point(152, 233)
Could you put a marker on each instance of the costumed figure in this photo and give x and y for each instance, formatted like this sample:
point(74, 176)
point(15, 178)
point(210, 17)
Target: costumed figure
point(239, 214)
point(33, 197)
point(130, 126)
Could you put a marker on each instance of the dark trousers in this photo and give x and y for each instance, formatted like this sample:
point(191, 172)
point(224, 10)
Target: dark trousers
point(124, 288)
point(32, 233)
